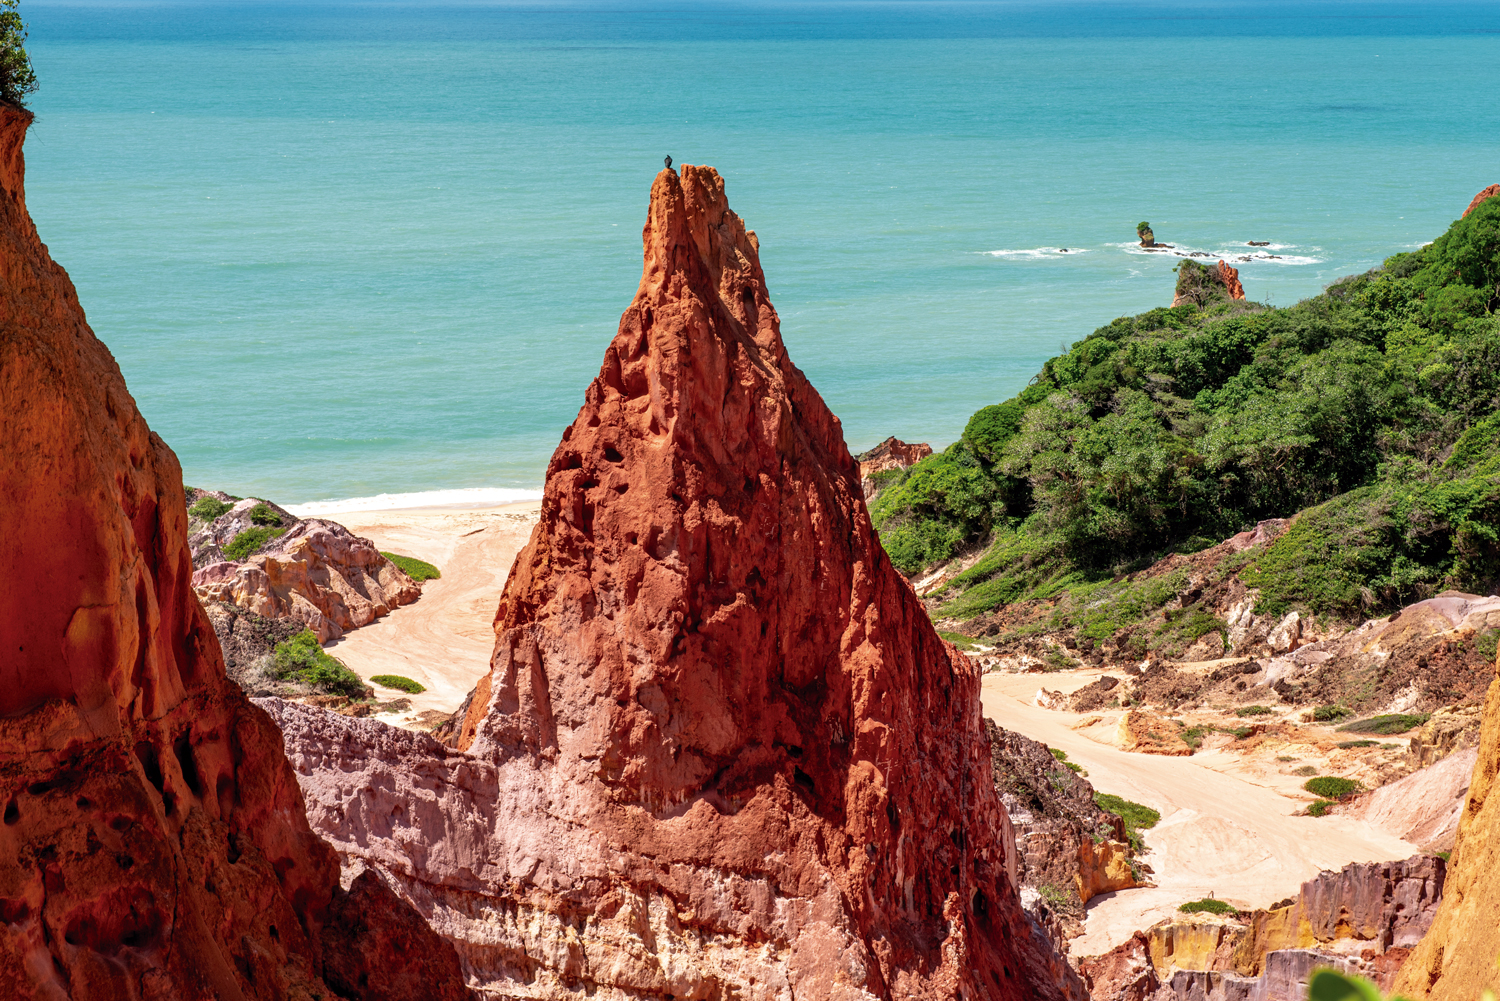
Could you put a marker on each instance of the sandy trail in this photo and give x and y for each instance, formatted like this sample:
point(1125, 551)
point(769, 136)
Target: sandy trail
point(1226, 825)
point(445, 638)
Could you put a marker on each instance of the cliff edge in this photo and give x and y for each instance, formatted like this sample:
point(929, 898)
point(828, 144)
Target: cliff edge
point(154, 842)
point(721, 750)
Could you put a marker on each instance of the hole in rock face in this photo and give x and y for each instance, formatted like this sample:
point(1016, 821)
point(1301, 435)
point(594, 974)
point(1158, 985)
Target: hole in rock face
point(804, 780)
point(121, 824)
point(127, 917)
point(794, 750)
point(981, 904)
point(12, 812)
point(224, 792)
point(14, 911)
point(184, 748)
point(146, 754)
point(622, 488)
point(612, 454)
point(83, 803)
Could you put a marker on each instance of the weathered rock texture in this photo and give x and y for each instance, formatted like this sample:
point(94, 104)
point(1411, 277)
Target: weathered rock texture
point(154, 843)
point(317, 573)
point(1363, 919)
point(721, 751)
point(1065, 844)
point(1456, 959)
point(1424, 807)
point(893, 453)
point(1485, 195)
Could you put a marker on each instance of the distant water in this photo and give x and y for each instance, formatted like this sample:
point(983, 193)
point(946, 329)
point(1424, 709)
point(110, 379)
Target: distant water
point(350, 249)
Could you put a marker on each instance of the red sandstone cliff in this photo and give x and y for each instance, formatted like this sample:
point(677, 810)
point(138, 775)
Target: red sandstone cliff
point(893, 453)
point(154, 842)
point(721, 750)
point(1487, 193)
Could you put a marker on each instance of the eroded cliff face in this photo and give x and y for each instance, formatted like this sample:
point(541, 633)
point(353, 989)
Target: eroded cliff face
point(1457, 957)
point(154, 842)
point(721, 751)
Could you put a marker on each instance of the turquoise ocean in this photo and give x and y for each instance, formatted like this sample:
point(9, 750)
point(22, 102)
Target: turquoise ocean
point(351, 249)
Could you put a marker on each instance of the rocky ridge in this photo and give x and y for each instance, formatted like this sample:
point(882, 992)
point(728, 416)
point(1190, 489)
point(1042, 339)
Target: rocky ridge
point(721, 750)
point(1363, 919)
point(1483, 196)
point(154, 836)
point(893, 453)
point(311, 570)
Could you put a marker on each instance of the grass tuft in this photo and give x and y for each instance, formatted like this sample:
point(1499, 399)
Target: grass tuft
point(1387, 724)
point(1207, 906)
point(207, 509)
point(417, 570)
point(1136, 816)
point(1331, 786)
point(399, 683)
point(249, 541)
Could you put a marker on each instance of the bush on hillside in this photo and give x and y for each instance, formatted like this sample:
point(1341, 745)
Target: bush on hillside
point(301, 658)
point(17, 79)
point(207, 508)
point(1373, 407)
point(1253, 711)
point(248, 542)
point(1328, 714)
point(262, 514)
point(1387, 724)
point(1137, 817)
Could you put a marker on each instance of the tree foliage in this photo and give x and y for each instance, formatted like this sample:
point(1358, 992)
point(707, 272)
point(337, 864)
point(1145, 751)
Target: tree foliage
point(16, 76)
point(1374, 407)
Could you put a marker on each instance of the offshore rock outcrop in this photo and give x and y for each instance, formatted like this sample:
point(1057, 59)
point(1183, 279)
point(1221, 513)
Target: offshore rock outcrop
point(721, 751)
point(1456, 959)
point(1203, 285)
point(154, 843)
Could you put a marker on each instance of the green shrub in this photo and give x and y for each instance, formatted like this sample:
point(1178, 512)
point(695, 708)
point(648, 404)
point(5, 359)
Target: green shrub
point(1285, 757)
point(17, 79)
point(1193, 735)
point(1319, 807)
point(1137, 817)
point(1486, 642)
point(1059, 753)
point(1253, 711)
point(1345, 745)
point(1328, 714)
point(1207, 906)
point(1331, 786)
point(250, 541)
point(1305, 770)
point(399, 683)
point(261, 514)
point(207, 508)
point(959, 640)
point(1388, 724)
point(301, 658)
point(416, 569)
point(1330, 985)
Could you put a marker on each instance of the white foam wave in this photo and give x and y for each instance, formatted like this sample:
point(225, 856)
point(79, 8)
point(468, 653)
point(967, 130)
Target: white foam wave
point(1036, 253)
point(1232, 255)
point(461, 498)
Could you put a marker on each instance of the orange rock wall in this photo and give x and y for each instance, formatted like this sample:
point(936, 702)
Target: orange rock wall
point(154, 842)
point(1487, 193)
point(1456, 959)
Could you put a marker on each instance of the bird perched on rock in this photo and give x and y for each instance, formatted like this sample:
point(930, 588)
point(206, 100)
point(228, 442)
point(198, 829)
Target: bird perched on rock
point(669, 163)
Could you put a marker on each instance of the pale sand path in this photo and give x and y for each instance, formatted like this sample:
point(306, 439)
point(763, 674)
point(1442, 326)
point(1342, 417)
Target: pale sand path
point(1224, 828)
point(445, 638)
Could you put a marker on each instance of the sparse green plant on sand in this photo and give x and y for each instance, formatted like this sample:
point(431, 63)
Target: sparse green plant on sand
point(17, 79)
point(417, 570)
point(1331, 786)
point(1136, 816)
point(1208, 905)
point(1318, 808)
point(1387, 724)
point(1253, 711)
point(1305, 770)
point(399, 683)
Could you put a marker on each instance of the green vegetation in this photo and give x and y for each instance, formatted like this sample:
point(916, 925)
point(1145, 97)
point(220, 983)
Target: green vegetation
point(1344, 745)
point(399, 683)
point(1331, 786)
point(1285, 757)
point(262, 514)
point(1193, 736)
point(1486, 641)
point(1387, 724)
point(1373, 408)
point(1253, 711)
point(1141, 227)
point(1330, 985)
point(207, 509)
point(1305, 770)
point(302, 659)
point(1137, 817)
point(1445, 856)
point(1330, 714)
point(16, 76)
point(965, 643)
point(1062, 756)
point(1207, 906)
point(1319, 807)
point(416, 569)
point(249, 541)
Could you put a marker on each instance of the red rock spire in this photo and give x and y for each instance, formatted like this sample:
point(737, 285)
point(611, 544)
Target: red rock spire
point(708, 669)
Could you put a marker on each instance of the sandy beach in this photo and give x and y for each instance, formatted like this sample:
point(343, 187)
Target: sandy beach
point(443, 640)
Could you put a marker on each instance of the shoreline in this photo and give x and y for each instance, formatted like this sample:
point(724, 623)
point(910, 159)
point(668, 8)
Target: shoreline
point(444, 639)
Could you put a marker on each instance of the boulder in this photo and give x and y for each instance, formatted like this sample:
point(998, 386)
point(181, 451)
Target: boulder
point(721, 750)
point(155, 843)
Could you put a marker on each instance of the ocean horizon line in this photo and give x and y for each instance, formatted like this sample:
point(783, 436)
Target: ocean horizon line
point(462, 497)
